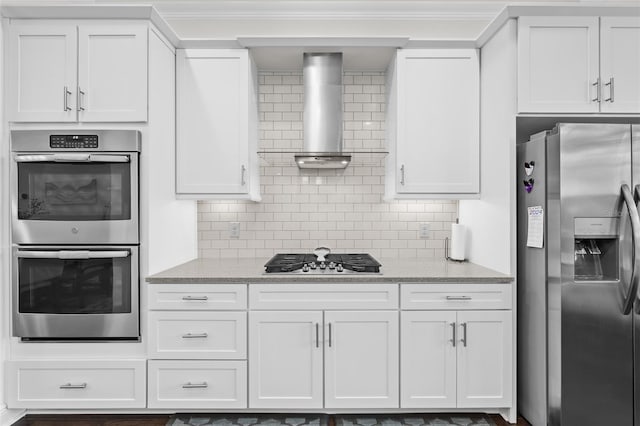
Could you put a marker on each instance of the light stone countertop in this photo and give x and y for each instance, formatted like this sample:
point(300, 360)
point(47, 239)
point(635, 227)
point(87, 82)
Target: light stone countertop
point(251, 270)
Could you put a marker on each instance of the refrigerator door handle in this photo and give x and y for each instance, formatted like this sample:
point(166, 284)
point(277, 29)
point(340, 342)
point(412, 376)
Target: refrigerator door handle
point(635, 239)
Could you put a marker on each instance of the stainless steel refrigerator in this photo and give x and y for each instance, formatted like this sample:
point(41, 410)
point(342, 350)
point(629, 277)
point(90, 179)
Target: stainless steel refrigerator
point(578, 273)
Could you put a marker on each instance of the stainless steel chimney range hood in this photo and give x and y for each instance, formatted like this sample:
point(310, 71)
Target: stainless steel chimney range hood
point(322, 78)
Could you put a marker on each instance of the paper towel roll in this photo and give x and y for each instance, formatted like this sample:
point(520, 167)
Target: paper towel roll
point(458, 241)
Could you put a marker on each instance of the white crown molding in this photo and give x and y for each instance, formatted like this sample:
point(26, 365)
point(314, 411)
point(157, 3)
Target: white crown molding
point(327, 9)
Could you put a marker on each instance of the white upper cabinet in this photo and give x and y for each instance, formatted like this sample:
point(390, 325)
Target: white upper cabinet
point(433, 124)
point(69, 73)
point(42, 71)
point(112, 73)
point(620, 64)
point(216, 155)
point(575, 64)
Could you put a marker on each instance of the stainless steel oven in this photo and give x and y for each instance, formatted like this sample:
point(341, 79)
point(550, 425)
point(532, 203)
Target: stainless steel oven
point(75, 292)
point(78, 187)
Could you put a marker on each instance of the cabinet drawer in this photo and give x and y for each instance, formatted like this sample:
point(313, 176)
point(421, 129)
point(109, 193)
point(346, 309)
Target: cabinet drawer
point(197, 297)
point(455, 296)
point(76, 384)
point(200, 335)
point(323, 296)
point(198, 384)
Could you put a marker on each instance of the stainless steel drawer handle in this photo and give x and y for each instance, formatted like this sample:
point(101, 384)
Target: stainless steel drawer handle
point(71, 386)
point(402, 175)
point(458, 297)
point(242, 172)
point(330, 335)
point(190, 385)
point(610, 84)
point(195, 298)
point(66, 99)
point(195, 336)
point(80, 99)
point(597, 86)
point(317, 335)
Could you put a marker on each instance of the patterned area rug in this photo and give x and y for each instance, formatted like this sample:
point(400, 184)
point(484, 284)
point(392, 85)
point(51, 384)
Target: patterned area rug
point(248, 420)
point(414, 420)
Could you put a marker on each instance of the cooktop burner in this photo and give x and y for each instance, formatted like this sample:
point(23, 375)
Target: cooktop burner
point(334, 264)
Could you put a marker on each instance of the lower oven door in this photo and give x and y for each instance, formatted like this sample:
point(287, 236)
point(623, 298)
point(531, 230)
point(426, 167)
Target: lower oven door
point(79, 292)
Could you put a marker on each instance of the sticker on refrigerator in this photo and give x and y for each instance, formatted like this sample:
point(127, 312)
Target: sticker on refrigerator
point(535, 226)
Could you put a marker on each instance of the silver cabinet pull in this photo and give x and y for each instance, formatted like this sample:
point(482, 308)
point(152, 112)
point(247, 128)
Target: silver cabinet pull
point(66, 99)
point(458, 297)
point(453, 331)
point(195, 298)
point(464, 334)
point(610, 84)
point(317, 335)
point(597, 86)
point(242, 172)
point(71, 386)
point(402, 175)
point(329, 334)
point(195, 336)
point(190, 385)
point(80, 99)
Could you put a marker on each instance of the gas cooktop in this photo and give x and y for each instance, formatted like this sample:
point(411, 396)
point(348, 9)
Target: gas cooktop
point(310, 264)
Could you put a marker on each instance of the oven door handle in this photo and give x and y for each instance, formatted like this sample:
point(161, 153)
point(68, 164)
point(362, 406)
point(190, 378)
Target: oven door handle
point(71, 158)
point(72, 254)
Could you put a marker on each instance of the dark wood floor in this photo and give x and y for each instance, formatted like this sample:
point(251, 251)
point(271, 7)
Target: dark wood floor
point(138, 420)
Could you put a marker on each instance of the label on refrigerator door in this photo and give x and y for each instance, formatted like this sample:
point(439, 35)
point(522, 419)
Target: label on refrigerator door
point(535, 226)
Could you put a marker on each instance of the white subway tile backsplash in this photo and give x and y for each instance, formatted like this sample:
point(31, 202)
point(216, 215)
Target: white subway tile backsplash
point(341, 209)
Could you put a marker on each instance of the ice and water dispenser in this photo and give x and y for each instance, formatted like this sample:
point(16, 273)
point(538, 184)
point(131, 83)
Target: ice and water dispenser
point(596, 248)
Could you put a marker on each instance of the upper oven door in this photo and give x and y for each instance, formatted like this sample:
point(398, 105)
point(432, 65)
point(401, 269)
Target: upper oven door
point(75, 198)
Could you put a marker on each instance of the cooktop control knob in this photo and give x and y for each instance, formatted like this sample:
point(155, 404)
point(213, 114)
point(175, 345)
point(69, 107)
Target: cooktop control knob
point(323, 265)
point(339, 267)
point(305, 268)
point(313, 265)
point(332, 265)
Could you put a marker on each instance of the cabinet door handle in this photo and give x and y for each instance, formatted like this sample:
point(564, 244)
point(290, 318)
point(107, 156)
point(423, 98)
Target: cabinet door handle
point(610, 84)
point(458, 297)
point(80, 99)
point(195, 336)
point(195, 298)
point(597, 86)
point(242, 172)
point(329, 334)
point(190, 385)
point(402, 175)
point(464, 334)
point(453, 331)
point(71, 386)
point(317, 335)
point(66, 99)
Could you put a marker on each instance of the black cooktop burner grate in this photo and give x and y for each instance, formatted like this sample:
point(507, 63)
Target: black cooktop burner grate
point(291, 262)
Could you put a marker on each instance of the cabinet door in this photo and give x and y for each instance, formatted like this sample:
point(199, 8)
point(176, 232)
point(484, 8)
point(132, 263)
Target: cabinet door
point(484, 359)
point(558, 64)
point(285, 359)
point(112, 73)
point(42, 67)
point(212, 121)
point(438, 121)
point(428, 359)
point(620, 64)
point(361, 366)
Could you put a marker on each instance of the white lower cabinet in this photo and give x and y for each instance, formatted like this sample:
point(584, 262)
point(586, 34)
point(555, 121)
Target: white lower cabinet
point(197, 384)
point(457, 359)
point(57, 384)
point(360, 351)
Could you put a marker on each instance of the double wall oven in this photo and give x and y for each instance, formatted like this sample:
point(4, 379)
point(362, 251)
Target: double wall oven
point(75, 233)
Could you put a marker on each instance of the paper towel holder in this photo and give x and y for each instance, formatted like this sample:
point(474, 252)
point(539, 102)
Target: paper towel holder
point(446, 252)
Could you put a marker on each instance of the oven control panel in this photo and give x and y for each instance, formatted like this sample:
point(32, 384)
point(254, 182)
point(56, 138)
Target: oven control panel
point(73, 141)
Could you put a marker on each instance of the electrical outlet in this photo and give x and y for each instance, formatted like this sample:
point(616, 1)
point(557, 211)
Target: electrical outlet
point(234, 229)
point(424, 231)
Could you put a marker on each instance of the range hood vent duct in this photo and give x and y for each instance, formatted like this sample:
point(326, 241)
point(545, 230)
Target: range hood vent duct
point(322, 149)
